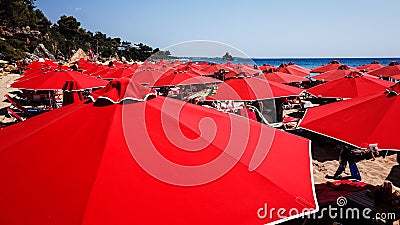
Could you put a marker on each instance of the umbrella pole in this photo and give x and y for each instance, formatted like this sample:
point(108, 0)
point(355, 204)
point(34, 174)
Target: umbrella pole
point(52, 99)
point(49, 97)
point(191, 89)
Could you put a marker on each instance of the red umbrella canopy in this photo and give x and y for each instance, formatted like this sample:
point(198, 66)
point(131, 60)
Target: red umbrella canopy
point(121, 166)
point(266, 67)
point(254, 88)
point(341, 72)
point(213, 68)
point(397, 77)
point(294, 69)
point(189, 66)
point(119, 64)
point(82, 61)
point(369, 67)
point(396, 88)
point(248, 70)
point(371, 119)
point(393, 69)
point(33, 73)
point(333, 65)
point(233, 74)
point(147, 76)
point(350, 87)
point(69, 95)
point(284, 78)
point(44, 64)
point(103, 72)
point(119, 73)
point(88, 66)
point(113, 91)
point(188, 70)
point(95, 69)
point(183, 78)
point(56, 80)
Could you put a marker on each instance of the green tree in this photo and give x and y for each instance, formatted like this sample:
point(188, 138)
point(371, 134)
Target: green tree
point(17, 13)
point(61, 37)
point(43, 24)
point(68, 26)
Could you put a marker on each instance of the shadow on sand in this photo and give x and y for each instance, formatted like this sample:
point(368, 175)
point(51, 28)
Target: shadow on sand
point(394, 175)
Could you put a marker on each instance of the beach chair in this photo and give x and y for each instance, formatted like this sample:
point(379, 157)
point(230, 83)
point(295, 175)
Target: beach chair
point(286, 120)
point(264, 120)
point(14, 115)
point(25, 112)
point(18, 105)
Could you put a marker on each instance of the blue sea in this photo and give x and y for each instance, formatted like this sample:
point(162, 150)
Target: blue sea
point(305, 62)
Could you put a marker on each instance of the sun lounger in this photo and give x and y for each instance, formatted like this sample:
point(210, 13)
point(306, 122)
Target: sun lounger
point(265, 121)
point(18, 105)
point(25, 112)
point(288, 119)
point(14, 115)
point(366, 199)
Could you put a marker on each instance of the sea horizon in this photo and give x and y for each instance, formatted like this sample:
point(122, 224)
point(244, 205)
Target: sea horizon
point(305, 62)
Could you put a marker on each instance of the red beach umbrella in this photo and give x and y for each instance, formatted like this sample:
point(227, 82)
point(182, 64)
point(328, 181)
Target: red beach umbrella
point(44, 64)
point(69, 95)
point(248, 70)
point(393, 69)
point(82, 61)
point(395, 88)
point(189, 71)
point(350, 87)
point(397, 77)
point(333, 65)
point(341, 72)
point(371, 119)
point(116, 162)
point(56, 80)
point(118, 64)
point(131, 90)
point(266, 67)
point(94, 69)
point(370, 67)
point(102, 71)
point(119, 73)
point(251, 89)
point(284, 78)
point(189, 66)
point(33, 73)
point(147, 76)
point(293, 69)
point(233, 74)
point(213, 68)
point(88, 66)
point(183, 78)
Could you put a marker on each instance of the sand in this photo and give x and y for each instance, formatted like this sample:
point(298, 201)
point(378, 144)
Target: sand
point(5, 82)
point(326, 161)
point(373, 172)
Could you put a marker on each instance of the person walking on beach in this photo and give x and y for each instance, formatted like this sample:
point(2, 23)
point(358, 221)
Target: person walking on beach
point(19, 65)
point(347, 156)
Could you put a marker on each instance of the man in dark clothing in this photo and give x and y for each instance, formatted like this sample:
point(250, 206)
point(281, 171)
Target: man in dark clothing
point(347, 156)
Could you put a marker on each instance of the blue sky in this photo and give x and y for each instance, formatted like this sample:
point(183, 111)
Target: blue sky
point(259, 28)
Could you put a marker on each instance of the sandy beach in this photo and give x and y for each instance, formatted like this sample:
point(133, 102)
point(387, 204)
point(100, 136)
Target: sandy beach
point(375, 172)
point(5, 82)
